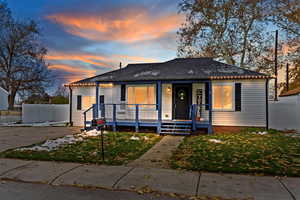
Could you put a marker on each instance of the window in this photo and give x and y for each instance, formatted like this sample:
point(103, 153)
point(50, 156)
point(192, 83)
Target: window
point(79, 102)
point(223, 97)
point(88, 101)
point(141, 95)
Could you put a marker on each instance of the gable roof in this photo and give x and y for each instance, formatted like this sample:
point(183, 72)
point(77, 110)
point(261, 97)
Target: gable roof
point(176, 69)
point(290, 92)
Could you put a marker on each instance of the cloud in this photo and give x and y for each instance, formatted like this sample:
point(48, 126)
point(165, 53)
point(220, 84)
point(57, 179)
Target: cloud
point(85, 58)
point(72, 73)
point(131, 25)
point(109, 62)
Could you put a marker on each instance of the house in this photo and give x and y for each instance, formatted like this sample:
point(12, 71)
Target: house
point(3, 99)
point(176, 97)
point(292, 96)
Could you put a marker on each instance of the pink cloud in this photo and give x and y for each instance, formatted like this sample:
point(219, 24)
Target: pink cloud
point(132, 26)
point(111, 61)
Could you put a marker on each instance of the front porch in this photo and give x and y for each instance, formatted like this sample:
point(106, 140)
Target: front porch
point(188, 111)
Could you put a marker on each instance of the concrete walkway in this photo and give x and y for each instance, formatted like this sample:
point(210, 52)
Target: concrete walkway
point(160, 180)
point(159, 155)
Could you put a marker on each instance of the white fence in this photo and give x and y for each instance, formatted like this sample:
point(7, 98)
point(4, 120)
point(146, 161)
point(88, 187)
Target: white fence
point(284, 115)
point(32, 113)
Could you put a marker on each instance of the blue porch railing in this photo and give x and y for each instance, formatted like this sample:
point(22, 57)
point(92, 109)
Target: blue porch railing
point(85, 113)
point(145, 115)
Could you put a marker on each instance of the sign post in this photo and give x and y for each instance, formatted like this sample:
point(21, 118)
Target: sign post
point(100, 124)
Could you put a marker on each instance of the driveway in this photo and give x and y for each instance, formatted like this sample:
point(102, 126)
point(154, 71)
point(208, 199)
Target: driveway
point(12, 137)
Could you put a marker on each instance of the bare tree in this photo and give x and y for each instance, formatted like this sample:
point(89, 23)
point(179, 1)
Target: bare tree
point(22, 64)
point(61, 91)
point(233, 31)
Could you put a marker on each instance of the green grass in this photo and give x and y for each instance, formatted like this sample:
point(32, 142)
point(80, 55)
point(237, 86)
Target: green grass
point(119, 149)
point(272, 154)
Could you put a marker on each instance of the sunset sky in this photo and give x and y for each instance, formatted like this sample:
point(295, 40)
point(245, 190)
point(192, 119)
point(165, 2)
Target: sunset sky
point(89, 37)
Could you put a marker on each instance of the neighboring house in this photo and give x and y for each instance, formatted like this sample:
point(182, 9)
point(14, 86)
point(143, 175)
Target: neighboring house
point(176, 97)
point(292, 96)
point(3, 99)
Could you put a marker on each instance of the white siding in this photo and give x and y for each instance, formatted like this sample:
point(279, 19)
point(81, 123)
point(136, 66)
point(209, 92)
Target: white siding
point(3, 99)
point(253, 105)
point(112, 95)
point(77, 115)
point(253, 111)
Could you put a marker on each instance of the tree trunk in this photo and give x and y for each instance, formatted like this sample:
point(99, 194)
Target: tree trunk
point(11, 100)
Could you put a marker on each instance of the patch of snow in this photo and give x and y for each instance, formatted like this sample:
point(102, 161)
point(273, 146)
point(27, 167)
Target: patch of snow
point(91, 133)
point(51, 145)
point(38, 124)
point(230, 70)
point(215, 141)
point(208, 71)
point(147, 73)
point(191, 71)
point(260, 133)
point(54, 144)
point(134, 138)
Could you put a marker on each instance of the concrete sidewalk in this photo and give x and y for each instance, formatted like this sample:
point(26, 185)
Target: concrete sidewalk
point(161, 180)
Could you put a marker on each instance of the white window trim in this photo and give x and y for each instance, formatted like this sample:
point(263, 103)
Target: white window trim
point(233, 97)
point(141, 108)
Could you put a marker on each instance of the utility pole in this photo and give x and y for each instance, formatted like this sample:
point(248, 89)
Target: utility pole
point(287, 76)
point(276, 73)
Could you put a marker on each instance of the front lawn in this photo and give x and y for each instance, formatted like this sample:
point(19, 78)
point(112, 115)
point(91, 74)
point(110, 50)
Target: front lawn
point(273, 153)
point(120, 148)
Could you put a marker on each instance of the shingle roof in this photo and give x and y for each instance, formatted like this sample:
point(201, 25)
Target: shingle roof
point(290, 92)
point(176, 69)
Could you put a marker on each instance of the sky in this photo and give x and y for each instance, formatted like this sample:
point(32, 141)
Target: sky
point(89, 37)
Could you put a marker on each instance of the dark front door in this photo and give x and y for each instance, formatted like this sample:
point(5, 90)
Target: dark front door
point(181, 100)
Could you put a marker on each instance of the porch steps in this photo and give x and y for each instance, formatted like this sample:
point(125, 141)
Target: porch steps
point(174, 128)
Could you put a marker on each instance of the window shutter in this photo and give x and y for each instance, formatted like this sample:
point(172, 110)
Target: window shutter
point(101, 99)
point(123, 92)
point(238, 96)
point(206, 96)
point(79, 102)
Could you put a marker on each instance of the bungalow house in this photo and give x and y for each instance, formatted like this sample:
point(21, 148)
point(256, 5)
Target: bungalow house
point(3, 99)
point(177, 96)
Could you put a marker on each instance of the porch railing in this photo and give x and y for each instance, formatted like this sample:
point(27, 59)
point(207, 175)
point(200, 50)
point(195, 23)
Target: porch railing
point(143, 113)
point(85, 112)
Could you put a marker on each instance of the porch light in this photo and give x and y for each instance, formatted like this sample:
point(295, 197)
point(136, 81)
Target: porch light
point(106, 85)
point(169, 90)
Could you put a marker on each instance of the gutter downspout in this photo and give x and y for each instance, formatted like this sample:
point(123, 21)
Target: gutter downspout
point(267, 104)
point(71, 103)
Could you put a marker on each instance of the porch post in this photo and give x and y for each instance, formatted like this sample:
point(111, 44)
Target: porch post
point(210, 129)
point(97, 100)
point(136, 118)
point(114, 117)
point(193, 115)
point(159, 99)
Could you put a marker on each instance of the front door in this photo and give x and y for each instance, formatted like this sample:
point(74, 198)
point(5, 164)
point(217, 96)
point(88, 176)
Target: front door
point(181, 101)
